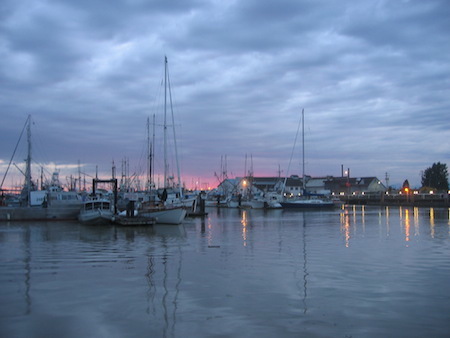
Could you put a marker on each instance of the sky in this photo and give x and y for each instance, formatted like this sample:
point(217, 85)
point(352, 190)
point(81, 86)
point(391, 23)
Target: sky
point(372, 76)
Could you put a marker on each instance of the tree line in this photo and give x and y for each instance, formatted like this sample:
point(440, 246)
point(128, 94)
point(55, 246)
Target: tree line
point(436, 177)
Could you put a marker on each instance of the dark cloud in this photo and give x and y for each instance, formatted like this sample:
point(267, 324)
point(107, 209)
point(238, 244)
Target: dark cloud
point(373, 77)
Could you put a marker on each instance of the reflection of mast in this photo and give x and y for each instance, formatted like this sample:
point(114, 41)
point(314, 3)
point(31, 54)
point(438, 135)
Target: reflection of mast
point(162, 312)
point(177, 291)
point(28, 271)
point(151, 284)
point(164, 298)
point(305, 268)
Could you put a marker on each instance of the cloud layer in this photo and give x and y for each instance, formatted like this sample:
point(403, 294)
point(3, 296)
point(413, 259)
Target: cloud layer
point(372, 76)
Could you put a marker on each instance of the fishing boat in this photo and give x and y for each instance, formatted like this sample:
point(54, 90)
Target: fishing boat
point(50, 203)
point(306, 200)
point(96, 212)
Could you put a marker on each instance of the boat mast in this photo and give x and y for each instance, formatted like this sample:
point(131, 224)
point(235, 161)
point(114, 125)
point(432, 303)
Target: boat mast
point(28, 163)
point(150, 153)
point(290, 159)
point(303, 150)
point(149, 156)
point(152, 160)
point(166, 169)
point(166, 165)
point(15, 149)
point(175, 144)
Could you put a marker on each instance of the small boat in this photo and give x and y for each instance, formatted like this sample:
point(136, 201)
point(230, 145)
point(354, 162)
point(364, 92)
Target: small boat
point(96, 212)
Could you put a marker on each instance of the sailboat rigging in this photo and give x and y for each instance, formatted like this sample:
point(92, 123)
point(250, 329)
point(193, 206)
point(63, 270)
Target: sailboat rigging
point(306, 200)
point(170, 209)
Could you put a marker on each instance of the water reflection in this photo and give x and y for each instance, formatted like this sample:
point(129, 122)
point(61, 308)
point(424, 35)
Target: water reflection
point(407, 226)
point(350, 272)
point(244, 222)
point(305, 268)
point(345, 227)
point(411, 219)
point(163, 263)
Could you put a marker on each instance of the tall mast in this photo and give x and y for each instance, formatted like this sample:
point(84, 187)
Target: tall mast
point(150, 144)
point(152, 160)
point(175, 140)
point(149, 156)
point(28, 164)
point(166, 169)
point(303, 150)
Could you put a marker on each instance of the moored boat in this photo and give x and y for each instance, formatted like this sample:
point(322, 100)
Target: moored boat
point(96, 212)
point(306, 200)
point(164, 215)
point(50, 203)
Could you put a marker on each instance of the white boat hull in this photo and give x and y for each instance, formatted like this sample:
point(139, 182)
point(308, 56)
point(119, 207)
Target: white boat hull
point(166, 216)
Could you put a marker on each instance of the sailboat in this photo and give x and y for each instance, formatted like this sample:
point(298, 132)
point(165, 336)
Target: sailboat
point(306, 200)
point(167, 207)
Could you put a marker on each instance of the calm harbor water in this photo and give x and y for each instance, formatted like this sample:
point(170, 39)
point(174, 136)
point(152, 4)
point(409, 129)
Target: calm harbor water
point(351, 272)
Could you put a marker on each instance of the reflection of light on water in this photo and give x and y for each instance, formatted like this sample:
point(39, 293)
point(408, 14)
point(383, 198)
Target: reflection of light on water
point(407, 225)
point(210, 233)
point(244, 222)
point(387, 222)
point(363, 216)
point(416, 221)
point(345, 227)
point(354, 214)
point(432, 222)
